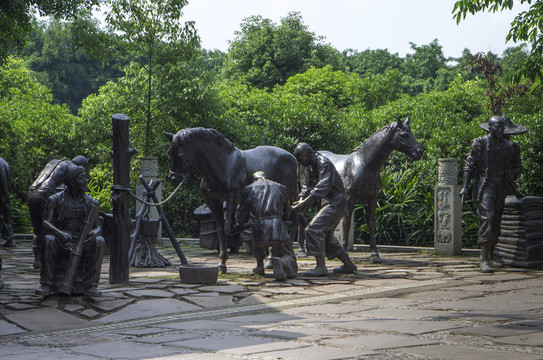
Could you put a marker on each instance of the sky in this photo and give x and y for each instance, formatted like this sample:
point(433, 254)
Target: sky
point(361, 24)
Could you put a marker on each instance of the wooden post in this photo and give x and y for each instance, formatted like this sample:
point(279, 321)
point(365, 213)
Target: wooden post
point(120, 243)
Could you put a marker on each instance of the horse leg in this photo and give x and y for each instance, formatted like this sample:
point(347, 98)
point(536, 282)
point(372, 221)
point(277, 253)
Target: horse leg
point(370, 208)
point(216, 210)
point(300, 228)
point(346, 227)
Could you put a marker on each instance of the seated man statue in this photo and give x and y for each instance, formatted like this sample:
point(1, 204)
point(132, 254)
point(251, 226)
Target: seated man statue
point(264, 207)
point(45, 185)
point(66, 224)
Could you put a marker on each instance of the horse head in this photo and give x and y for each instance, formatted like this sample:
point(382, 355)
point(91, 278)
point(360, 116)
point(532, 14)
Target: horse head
point(180, 158)
point(404, 141)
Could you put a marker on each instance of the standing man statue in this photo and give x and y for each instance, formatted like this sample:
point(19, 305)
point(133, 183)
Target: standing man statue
point(325, 186)
point(50, 178)
point(66, 223)
point(6, 231)
point(264, 208)
point(495, 164)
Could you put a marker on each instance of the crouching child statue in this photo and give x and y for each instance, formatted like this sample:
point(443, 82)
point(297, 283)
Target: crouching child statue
point(73, 247)
point(264, 208)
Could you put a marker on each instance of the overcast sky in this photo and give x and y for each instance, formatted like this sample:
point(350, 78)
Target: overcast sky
point(361, 24)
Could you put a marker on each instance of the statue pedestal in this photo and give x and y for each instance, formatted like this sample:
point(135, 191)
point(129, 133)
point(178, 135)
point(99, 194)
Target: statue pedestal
point(447, 210)
point(149, 171)
point(521, 241)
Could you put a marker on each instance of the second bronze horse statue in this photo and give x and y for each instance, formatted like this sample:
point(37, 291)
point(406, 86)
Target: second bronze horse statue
point(360, 172)
point(225, 171)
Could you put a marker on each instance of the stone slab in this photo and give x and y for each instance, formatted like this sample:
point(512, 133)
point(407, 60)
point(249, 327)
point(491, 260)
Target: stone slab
point(412, 314)
point(270, 346)
point(211, 301)
point(149, 308)
point(7, 328)
point(201, 325)
point(45, 319)
point(328, 309)
point(47, 354)
point(305, 333)
point(379, 341)
point(315, 352)
point(497, 330)
point(150, 293)
point(124, 350)
point(266, 318)
point(229, 289)
point(255, 299)
point(229, 343)
point(166, 338)
point(20, 306)
point(412, 327)
point(111, 305)
point(182, 291)
point(482, 305)
point(532, 339)
point(197, 355)
point(465, 352)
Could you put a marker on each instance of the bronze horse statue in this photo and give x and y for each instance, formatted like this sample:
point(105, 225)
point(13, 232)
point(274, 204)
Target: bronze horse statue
point(360, 172)
point(6, 230)
point(225, 171)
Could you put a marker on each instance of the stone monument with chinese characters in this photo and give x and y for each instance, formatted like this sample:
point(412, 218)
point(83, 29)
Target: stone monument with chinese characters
point(448, 210)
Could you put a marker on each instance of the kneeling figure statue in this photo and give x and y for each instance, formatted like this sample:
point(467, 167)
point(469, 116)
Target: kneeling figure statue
point(264, 208)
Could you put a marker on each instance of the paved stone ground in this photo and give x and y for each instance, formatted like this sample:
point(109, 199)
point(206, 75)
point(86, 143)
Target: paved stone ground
point(413, 306)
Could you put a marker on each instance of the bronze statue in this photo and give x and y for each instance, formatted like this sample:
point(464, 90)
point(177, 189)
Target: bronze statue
point(45, 185)
point(225, 171)
point(328, 189)
point(495, 164)
point(6, 231)
point(73, 246)
point(264, 208)
point(360, 172)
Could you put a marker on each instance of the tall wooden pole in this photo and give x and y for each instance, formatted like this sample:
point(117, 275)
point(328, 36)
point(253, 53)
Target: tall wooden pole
point(120, 244)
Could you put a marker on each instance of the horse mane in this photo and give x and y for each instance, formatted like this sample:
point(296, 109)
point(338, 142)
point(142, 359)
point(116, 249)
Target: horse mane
point(386, 128)
point(208, 135)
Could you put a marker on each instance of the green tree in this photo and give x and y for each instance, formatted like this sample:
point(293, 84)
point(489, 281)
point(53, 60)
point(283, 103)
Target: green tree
point(345, 89)
point(420, 69)
point(62, 66)
point(526, 27)
point(265, 54)
point(151, 36)
point(16, 19)
point(31, 128)
point(370, 61)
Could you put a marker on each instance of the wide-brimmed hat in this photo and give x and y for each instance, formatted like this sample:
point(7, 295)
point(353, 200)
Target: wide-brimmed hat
point(510, 127)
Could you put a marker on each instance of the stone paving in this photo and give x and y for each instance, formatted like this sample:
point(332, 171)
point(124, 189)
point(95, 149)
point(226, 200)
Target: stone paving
point(413, 306)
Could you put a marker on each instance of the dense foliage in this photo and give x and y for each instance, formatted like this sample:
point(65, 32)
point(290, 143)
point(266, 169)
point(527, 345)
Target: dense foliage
point(278, 84)
point(526, 27)
point(16, 19)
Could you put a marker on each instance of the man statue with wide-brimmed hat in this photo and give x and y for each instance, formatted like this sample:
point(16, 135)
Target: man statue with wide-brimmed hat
point(495, 163)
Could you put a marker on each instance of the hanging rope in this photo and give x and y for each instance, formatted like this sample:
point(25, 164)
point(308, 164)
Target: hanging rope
point(127, 189)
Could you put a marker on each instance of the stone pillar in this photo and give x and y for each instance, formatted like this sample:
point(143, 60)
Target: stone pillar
point(149, 171)
point(447, 210)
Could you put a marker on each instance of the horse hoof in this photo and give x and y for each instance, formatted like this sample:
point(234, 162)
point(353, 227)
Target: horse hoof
point(222, 269)
point(302, 254)
point(375, 259)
